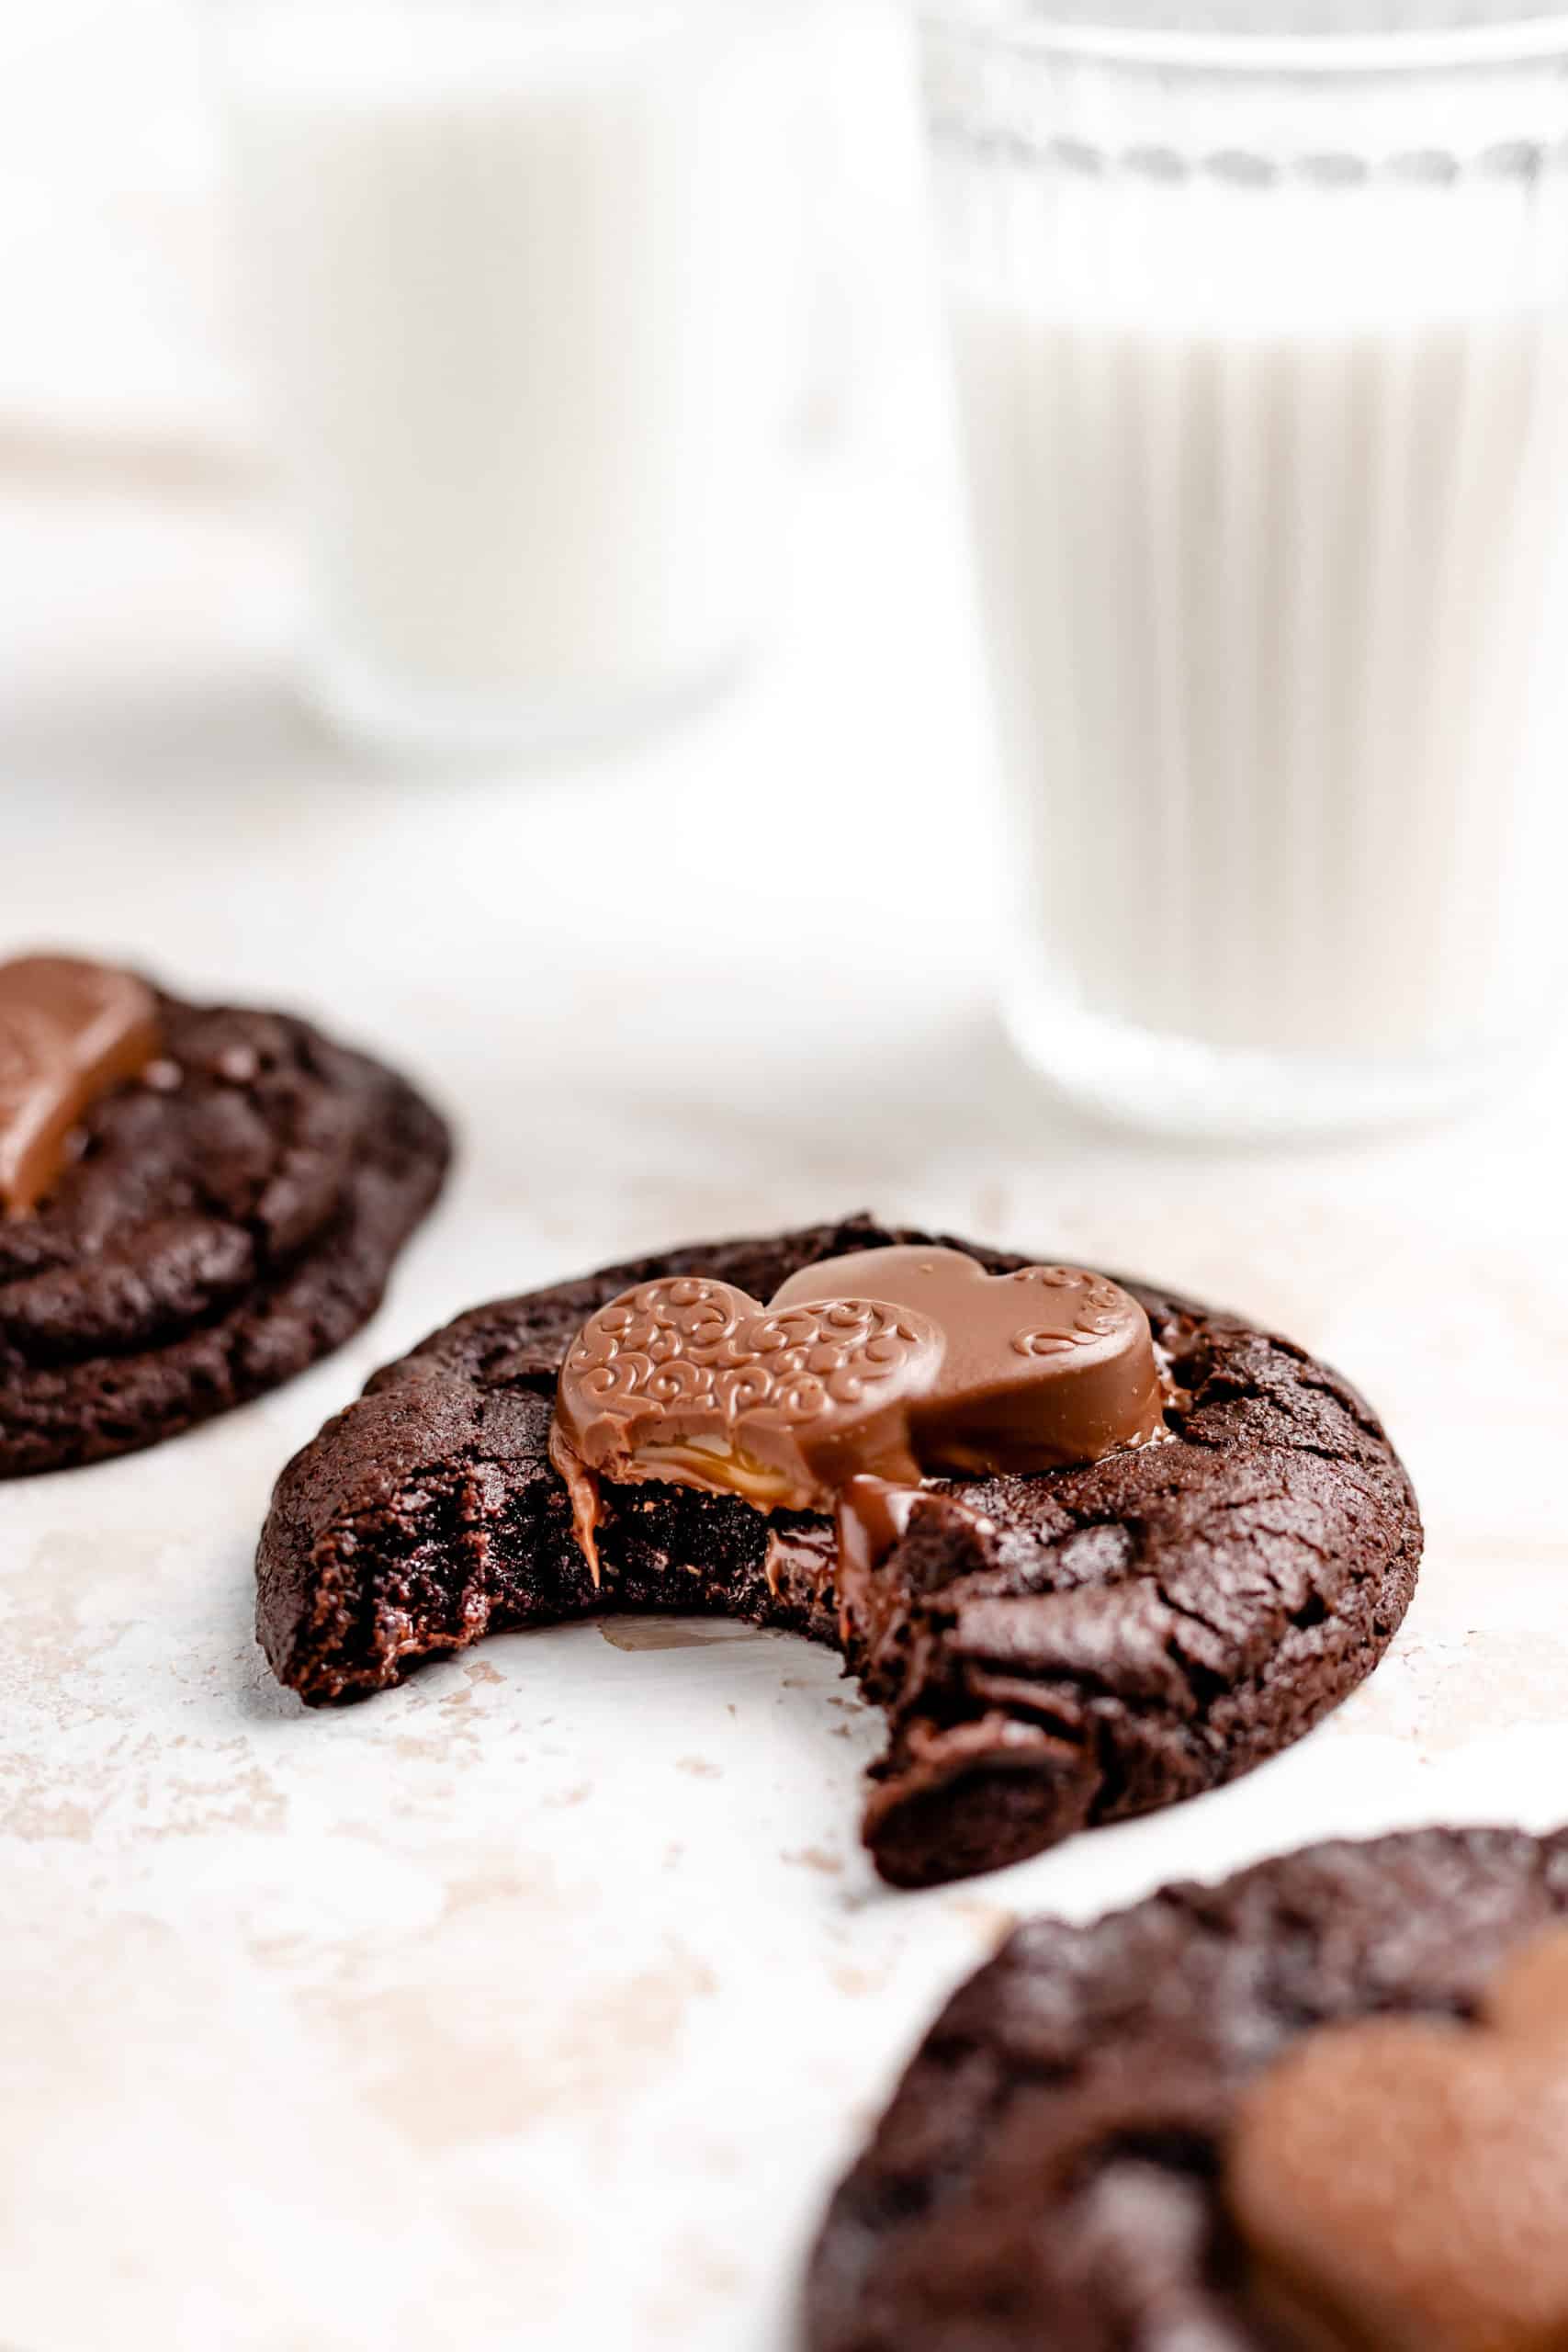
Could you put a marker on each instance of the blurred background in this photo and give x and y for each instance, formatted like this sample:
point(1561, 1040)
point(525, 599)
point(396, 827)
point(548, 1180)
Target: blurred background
point(532, 922)
point(723, 967)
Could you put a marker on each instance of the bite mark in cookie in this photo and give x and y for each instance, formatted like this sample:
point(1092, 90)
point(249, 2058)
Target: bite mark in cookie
point(1051, 1650)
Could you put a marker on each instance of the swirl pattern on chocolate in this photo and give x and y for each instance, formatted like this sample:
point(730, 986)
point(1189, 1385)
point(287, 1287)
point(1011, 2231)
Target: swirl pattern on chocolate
point(1097, 1316)
point(703, 1346)
point(891, 1364)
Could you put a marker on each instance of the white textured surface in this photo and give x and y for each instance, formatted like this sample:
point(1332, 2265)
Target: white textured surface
point(539, 2002)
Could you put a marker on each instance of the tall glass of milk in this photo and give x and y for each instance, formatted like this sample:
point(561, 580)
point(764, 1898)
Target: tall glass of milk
point(524, 280)
point(1261, 315)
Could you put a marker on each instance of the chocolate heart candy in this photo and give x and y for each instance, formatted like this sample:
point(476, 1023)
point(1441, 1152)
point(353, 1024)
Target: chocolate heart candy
point(1402, 2185)
point(1042, 1368)
point(68, 1032)
point(690, 1380)
point(890, 1364)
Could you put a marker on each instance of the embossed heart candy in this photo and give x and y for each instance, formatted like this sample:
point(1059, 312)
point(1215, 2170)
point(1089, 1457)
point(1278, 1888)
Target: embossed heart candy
point(893, 1364)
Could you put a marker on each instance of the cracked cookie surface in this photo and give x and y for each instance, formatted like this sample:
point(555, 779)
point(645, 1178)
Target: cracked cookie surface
point(1049, 2170)
point(226, 1220)
point(1052, 1652)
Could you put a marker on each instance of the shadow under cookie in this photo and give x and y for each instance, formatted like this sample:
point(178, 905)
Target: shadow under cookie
point(1052, 1652)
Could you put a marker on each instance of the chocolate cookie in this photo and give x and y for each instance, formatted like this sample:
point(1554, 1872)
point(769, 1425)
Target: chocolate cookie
point(1322, 2104)
point(1053, 1650)
point(196, 1203)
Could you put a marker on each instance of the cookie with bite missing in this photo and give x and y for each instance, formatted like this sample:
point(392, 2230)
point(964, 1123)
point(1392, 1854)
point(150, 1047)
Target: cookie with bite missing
point(1320, 2108)
point(196, 1203)
point(1095, 1549)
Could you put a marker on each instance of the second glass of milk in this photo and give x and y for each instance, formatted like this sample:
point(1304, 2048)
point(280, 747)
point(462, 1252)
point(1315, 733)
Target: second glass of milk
point(1261, 315)
point(524, 281)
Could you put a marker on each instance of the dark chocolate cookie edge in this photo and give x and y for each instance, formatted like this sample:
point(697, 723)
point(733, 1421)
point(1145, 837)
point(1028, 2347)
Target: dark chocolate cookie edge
point(1048, 2167)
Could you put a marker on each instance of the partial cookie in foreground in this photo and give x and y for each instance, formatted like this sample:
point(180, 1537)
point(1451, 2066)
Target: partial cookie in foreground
point(1052, 1649)
point(1323, 2105)
point(196, 1203)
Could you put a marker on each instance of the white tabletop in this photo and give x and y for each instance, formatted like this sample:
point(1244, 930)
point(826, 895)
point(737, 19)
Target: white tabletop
point(542, 2001)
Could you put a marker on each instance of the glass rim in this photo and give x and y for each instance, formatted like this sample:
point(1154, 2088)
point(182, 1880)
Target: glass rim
point(1515, 41)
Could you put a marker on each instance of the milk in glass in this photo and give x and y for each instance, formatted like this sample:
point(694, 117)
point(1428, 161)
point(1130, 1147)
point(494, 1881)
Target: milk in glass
point(523, 281)
point(1262, 372)
point(1268, 612)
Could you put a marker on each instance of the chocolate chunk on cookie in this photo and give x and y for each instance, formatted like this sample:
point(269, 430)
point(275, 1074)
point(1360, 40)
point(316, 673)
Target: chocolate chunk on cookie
point(1401, 2184)
point(1320, 2105)
point(1052, 1649)
point(196, 1203)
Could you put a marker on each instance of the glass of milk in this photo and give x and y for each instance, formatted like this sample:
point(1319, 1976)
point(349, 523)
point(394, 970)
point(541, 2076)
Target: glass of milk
point(1261, 315)
point(524, 280)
